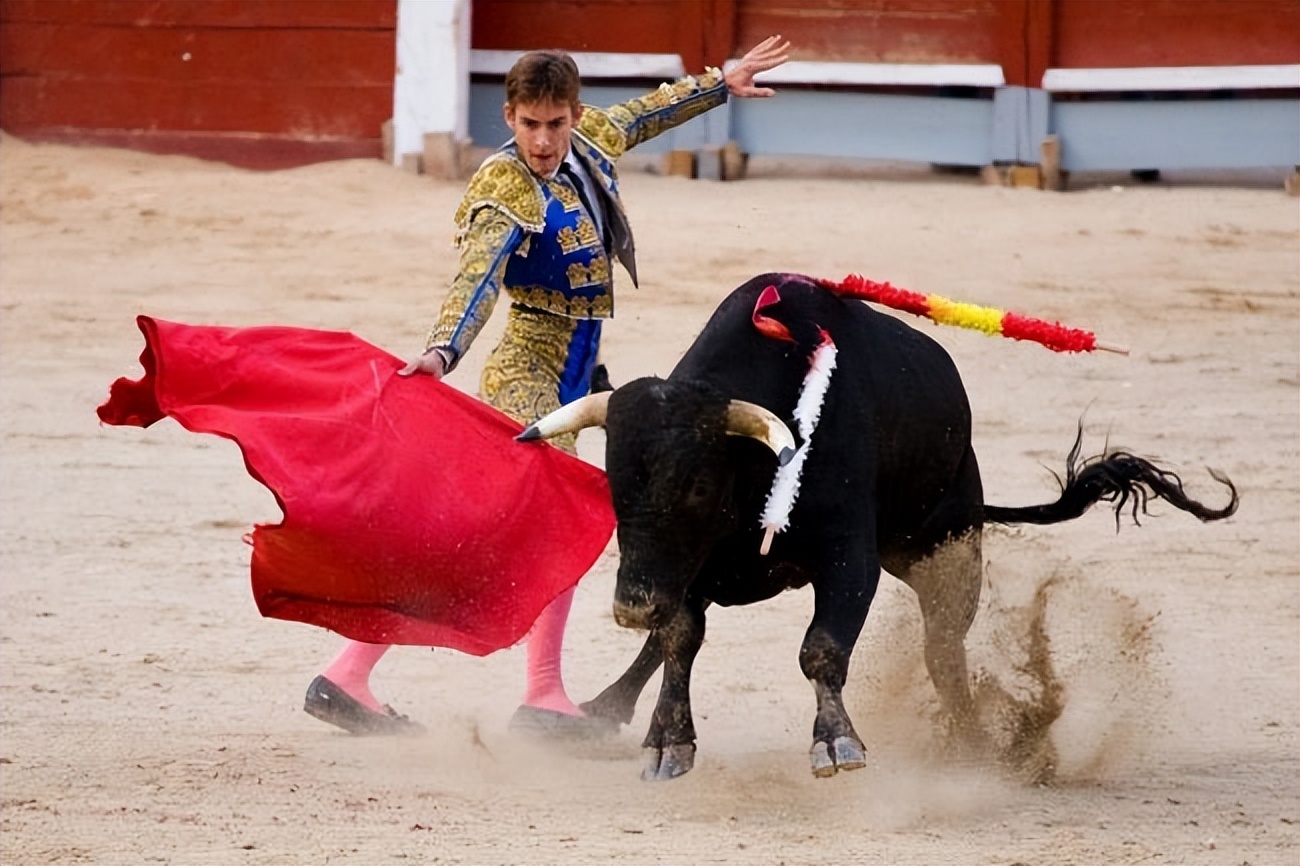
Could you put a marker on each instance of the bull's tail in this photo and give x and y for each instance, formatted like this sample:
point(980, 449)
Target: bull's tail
point(1124, 479)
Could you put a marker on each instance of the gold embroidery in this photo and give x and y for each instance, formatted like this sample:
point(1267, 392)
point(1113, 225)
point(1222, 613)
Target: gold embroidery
point(551, 301)
point(521, 376)
point(587, 236)
point(504, 183)
point(479, 245)
point(670, 105)
point(577, 273)
point(568, 239)
point(585, 276)
point(601, 132)
point(584, 236)
point(566, 195)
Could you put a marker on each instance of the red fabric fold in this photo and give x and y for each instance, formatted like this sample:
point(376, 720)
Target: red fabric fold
point(411, 516)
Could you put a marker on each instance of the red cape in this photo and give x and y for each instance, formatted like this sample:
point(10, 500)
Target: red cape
point(411, 515)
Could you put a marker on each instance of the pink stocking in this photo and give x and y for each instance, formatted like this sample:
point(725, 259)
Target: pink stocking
point(545, 687)
point(351, 669)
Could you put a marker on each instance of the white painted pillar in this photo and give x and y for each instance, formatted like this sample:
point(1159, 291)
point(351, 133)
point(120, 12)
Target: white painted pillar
point(431, 91)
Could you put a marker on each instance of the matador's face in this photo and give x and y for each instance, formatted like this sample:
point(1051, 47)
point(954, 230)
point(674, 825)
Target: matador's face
point(542, 132)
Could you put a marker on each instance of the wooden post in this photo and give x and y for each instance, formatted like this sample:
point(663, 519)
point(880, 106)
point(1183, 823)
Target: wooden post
point(1025, 177)
point(1025, 35)
point(386, 140)
point(719, 32)
point(679, 162)
point(708, 164)
point(1018, 176)
point(1053, 178)
point(734, 161)
point(444, 156)
point(993, 175)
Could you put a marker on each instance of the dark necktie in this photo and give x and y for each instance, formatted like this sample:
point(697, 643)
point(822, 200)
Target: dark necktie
point(617, 235)
point(581, 189)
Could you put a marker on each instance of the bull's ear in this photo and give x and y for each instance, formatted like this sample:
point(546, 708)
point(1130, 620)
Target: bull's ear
point(750, 419)
point(585, 412)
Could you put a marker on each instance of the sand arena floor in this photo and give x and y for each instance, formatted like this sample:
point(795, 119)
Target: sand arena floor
point(150, 715)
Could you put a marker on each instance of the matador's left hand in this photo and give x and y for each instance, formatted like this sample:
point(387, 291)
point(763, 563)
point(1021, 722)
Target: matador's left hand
point(768, 54)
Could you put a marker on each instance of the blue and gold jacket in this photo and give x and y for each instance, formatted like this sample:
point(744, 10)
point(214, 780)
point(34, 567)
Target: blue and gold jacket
point(533, 236)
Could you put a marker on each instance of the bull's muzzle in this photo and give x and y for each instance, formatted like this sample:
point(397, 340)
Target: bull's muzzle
point(639, 616)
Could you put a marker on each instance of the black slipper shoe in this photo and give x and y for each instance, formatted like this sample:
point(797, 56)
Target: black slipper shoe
point(549, 724)
point(330, 704)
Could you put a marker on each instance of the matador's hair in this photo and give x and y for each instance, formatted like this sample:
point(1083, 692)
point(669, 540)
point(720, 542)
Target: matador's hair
point(543, 76)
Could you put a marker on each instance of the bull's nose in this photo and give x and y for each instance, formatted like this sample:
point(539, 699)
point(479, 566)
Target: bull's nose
point(634, 616)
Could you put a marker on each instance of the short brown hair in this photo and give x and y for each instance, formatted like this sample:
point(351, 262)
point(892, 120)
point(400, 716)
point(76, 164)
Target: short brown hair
point(543, 76)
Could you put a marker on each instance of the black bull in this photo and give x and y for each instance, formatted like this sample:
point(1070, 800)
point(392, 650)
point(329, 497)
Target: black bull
point(890, 482)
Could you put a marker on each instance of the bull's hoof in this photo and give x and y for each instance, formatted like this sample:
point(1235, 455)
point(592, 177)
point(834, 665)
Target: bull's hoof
point(659, 765)
point(845, 753)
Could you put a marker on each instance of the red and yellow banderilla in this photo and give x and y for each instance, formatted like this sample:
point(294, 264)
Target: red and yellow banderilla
point(945, 311)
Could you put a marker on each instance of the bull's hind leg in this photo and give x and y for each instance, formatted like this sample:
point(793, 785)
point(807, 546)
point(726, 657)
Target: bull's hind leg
point(947, 585)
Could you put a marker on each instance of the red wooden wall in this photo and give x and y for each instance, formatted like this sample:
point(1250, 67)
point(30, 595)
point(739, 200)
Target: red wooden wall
point(701, 31)
point(269, 83)
point(1089, 33)
point(1004, 32)
point(1025, 37)
point(266, 83)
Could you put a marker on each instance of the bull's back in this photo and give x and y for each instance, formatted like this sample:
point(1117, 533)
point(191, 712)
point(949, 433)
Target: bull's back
point(885, 368)
point(895, 424)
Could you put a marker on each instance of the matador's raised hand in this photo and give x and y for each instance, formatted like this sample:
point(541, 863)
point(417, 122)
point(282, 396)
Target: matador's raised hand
point(768, 54)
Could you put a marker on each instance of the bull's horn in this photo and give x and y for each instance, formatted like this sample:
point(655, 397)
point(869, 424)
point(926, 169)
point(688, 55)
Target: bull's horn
point(750, 419)
point(585, 412)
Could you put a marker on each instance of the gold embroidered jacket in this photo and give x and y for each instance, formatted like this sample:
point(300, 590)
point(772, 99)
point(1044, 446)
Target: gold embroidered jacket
point(535, 238)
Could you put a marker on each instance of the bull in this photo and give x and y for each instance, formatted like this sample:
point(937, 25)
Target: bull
point(889, 481)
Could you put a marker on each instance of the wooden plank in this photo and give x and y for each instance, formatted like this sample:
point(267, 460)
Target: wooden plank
point(1144, 33)
point(161, 14)
point(688, 33)
point(720, 32)
point(626, 26)
point(885, 74)
point(187, 54)
point(1025, 33)
point(592, 64)
point(734, 162)
point(701, 32)
point(1053, 178)
point(1039, 40)
point(680, 163)
point(878, 31)
point(246, 150)
point(268, 83)
point(1173, 78)
point(292, 109)
point(1024, 177)
point(1194, 133)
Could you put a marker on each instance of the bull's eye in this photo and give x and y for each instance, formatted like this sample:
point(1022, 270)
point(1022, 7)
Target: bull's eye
point(699, 490)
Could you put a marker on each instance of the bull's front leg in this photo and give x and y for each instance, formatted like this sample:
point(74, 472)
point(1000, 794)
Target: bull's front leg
point(668, 750)
point(842, 600)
